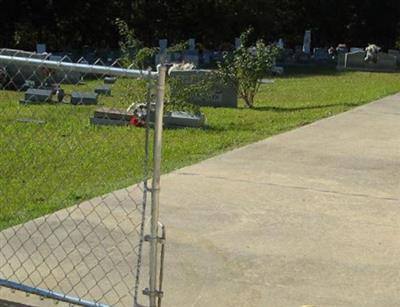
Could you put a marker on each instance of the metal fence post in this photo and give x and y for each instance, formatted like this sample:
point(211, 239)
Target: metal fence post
point(155, 189)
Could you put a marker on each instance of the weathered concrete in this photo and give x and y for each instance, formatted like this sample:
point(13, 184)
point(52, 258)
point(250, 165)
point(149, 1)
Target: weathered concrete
point(308, 217)
point(311, 216)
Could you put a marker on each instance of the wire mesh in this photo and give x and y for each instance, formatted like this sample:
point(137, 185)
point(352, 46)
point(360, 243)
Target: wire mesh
point(68, 134)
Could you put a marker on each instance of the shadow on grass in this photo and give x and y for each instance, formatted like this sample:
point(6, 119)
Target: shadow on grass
point(296, 109)
point(312, 70)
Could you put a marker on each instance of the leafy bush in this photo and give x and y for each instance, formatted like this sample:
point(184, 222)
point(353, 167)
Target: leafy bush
point(145, 57)
point(247, 65)
point(179, 47)
point(128, 42)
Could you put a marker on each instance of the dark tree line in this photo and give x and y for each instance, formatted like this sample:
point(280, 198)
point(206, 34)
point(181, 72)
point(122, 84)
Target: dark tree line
point(63, 24)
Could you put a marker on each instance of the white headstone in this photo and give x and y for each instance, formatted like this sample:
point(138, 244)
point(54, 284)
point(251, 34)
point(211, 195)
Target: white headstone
point(41, 48)
point(280, 44)
point(192, 44)
point(307, 42)
point(238, 43)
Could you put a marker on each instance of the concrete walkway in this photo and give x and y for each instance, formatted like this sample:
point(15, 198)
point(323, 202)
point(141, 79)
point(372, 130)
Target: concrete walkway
point(309, 217)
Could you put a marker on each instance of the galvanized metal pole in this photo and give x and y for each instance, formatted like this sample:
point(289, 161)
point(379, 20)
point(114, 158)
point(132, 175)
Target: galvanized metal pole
point(155, 188)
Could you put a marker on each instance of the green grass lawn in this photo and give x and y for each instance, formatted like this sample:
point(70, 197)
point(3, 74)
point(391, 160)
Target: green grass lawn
point(45, 167)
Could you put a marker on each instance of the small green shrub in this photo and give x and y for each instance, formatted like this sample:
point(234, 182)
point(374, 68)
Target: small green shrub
point(145, 57)
point(247, 65)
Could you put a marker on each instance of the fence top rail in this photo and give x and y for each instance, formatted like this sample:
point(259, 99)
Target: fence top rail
point(79, 67)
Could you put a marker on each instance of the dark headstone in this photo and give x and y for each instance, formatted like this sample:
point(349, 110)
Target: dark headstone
point(83, 98)
point(33, 95)
point(110, 80)
point(103, 90)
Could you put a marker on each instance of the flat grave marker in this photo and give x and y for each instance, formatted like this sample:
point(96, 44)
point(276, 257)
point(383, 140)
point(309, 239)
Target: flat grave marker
point(78, 98)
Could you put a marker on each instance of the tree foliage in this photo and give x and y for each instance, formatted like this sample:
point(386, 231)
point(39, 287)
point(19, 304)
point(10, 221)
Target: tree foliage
point(66, 24)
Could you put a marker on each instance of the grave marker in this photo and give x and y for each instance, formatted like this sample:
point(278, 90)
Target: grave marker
point(307, 42)
point(41, 48)
point(35, 96)
point(238, 43)
point(78, 98)
point(103, 90)
point(218, 95)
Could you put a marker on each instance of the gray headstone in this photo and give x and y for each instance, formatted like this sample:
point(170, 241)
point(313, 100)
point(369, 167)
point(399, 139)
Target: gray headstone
point(238, 43)
point(183, 119)
point(355, 61)
point(41, 48)
point(321, 54)
point(192, 44)
point(33, 95)
point(280, 44)
point(110, 80)
point(78, 98)
point(307, 42)
point(103, 90)
point(219, 94)
point(163, 43)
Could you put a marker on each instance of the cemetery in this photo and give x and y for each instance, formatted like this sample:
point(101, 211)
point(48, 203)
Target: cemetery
point(285, 101)
point(273, 126)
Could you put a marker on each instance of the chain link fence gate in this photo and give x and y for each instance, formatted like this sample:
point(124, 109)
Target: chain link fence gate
point(70, 132)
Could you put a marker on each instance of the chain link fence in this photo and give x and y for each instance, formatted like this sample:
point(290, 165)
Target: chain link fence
point(70, 132)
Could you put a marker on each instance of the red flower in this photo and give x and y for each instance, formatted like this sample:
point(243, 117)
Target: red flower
point(136, 121)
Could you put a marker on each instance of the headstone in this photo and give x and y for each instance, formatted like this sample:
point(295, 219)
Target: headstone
point(41, 48)
point(78, 98)
point(163, 43)
point(280, 44)
point(103, 90)
point(342, 48)
point(183, 119)
point(111, 117)
point(238, 43)
point(321, 54)
point(356, 61)
point(395, 53)
point(307, 42)
point(192, 44)
point(219, 94)
point(110, 80)
point(206, 57)
point(356, 49)
point(162, 57)
point(34, 95)
point(191, 55)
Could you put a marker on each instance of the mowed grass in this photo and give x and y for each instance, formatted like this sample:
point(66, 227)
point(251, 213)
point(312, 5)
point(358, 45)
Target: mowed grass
point(49, 166)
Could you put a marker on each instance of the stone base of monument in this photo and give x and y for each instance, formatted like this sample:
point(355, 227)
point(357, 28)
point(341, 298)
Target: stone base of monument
point(103, 90)
point(78, 98)
point(37, 96)
point(111, 117)
point(174, 119)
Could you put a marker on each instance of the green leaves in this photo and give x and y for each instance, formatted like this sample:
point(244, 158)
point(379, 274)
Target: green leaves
point(248, 64)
